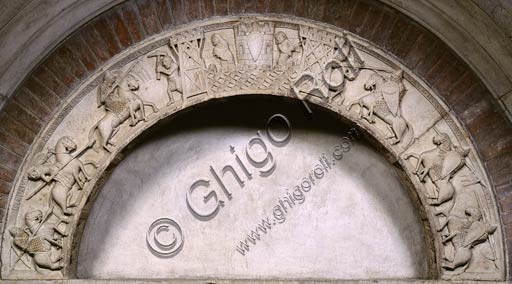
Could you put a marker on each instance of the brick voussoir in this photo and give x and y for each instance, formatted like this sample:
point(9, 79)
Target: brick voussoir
point(149, 16)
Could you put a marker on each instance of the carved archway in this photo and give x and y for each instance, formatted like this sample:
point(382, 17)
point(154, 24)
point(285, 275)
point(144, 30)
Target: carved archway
point(255, 55)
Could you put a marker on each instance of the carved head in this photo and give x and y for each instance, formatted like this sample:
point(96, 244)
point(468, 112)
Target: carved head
point(371, 82)
point(216, 39)
point(33, 173)
point(33, 217)
point(441, 139)
point(68, 144)
point(473, 214)
point(167, 61)
point(132, 83)
point(280, 37)
point(110, 76)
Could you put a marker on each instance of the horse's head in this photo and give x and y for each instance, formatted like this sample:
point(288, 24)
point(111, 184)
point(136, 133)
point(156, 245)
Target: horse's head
point(65, 145)
point(372, 81)
point(132, 83)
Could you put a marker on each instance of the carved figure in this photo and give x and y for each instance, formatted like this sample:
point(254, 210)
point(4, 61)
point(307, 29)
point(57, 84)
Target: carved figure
point(465, 233)
point(168, 66)
point(383, 101)
point(39, 239)
point(289, 54)
point(62, 174)
point(440, 165)
point(117, 94)
point(221, 51)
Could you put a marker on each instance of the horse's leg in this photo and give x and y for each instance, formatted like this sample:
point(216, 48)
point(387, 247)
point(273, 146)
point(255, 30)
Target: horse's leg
point(399, 127)
point(153, 107)
point(142, 110)
point(60, 195)
point(105, 132)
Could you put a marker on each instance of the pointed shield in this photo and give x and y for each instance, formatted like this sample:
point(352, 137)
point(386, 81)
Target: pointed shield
point(255, 43)
point(390, 92)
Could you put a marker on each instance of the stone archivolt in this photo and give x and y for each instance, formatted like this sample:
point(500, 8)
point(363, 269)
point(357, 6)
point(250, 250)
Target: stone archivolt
point(253, 55)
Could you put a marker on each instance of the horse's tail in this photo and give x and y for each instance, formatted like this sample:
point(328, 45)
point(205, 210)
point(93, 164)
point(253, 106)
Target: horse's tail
point(92, 138)
point(410, 135)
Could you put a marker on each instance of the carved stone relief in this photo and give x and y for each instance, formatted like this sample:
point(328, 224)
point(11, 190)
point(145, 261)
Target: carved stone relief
point(253, 55)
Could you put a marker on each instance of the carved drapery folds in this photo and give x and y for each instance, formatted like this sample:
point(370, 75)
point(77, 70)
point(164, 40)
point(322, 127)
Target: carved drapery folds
point(253, 55)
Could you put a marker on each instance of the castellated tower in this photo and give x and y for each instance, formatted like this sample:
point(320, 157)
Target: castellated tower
point(254, 43)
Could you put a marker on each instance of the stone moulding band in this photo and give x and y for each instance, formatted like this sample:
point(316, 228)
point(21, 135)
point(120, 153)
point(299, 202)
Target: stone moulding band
point(252, 55)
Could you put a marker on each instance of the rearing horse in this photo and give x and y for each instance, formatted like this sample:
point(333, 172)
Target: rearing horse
point(383, 101)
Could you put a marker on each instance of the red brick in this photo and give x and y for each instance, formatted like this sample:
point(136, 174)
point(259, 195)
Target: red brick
point(236, 7)
point(51, 84)
point(334, 12)
point(258, 6)
point(5, 187)
point(61, 69)
point(26, 100)
point(7, 174)
point(315, 9)
point(492, 133)
point(430, 58)
point(17, 146)
point(452, 76)
point(467, 82)
point(95, 43)
point(69, 58)
point(104, 29)
point(372, 19)
point(436, 70)
point(3, 201)
point(276, 6)
point(133, 22)
point(300, 8)
point(411, 35)
point(193, 10)
point(383, 29)
point(149, 16)
point(9, 158)
point(164, 13)
point(396, 35)
point(500, 169)
point(15, 129)
point(120, 29)
point(421, 47)
point(44, 96)
point(82, 52)
point(179, 12)
point(358, 16)
point(23, 117)
point(208, 8)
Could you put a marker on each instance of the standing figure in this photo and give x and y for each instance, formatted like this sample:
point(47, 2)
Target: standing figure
point(289, 54)
point(221, 51)
point(168, 66)
point(39, 239)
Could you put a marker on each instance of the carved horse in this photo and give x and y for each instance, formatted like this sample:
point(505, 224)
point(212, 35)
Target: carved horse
point(124, 103)
point(65, 172)
point(383, 101)
point(440, 165)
